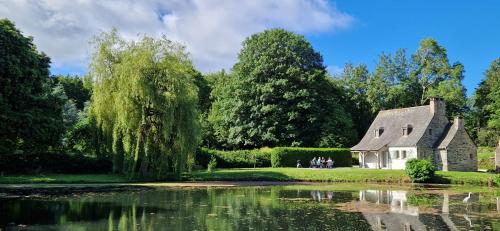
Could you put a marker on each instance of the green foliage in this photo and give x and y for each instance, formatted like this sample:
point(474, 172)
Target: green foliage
point(279, 95)
point(493, 82)
point(50, 162)
point(354, 82)
point(398, 82)
point(212, 164)
point(420, 170)
point(423, 200)
point(436, 78)
point(235, 159)
point(287, 157)
point(486, 158)
point(30, 113)
point(390, 85)
point(483, 118)
point(75, 89)
point(145, 104)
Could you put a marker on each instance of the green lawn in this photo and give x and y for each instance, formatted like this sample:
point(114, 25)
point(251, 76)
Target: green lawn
point(63, 179)
point(354, 175)
point(337, 175)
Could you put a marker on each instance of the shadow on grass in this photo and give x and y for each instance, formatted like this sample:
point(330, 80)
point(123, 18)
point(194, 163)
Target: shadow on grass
point(440, 180)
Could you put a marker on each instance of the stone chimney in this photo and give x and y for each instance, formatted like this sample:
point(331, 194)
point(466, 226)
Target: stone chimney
point(458, 123)
point(438, 106)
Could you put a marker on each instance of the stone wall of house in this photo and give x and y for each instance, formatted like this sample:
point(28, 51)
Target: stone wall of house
point(462, 152)
point(434, 132)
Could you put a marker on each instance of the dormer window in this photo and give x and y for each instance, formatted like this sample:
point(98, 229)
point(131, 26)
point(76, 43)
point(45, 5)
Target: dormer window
point(407, 130)
point(379, 131)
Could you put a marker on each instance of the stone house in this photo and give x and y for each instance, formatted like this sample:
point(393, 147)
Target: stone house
point(397, 135)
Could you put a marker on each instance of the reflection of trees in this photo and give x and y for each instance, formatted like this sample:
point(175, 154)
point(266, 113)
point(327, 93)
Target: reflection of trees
point(202, 209)
point(260, 208)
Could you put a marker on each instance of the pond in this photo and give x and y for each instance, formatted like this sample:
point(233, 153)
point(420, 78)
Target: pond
point(285, 207)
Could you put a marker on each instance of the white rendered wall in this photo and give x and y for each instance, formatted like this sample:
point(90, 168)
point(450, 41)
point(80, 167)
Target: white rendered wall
point(400, 163)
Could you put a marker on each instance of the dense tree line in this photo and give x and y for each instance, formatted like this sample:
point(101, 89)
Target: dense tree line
point(402, 81)
point(483, 119)
point(143, 105)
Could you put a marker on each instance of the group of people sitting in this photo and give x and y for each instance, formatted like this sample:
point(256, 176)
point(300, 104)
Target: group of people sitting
point(318, 162)
point(321, 162)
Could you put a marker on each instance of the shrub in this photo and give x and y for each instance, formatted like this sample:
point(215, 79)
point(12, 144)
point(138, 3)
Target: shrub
point(212, 164)
point(52, 163)
point(287, 157)
point(420, 170)
point(235, 159)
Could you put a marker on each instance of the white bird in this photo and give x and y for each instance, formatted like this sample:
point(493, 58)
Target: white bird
point(466, 200)
point(468, 219)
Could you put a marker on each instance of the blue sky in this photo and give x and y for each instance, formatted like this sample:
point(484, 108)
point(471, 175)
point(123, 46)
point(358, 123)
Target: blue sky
point(343, 31)
point(469, 30)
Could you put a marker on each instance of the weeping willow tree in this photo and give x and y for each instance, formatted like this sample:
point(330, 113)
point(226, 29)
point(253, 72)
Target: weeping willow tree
point(145, 104)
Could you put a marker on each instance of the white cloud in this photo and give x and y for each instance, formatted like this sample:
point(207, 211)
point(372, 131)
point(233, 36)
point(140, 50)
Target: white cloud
point(334, 70)
point(212, 30)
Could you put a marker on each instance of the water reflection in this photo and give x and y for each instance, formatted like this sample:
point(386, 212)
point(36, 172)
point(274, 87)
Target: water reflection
point(257, 208)
point(404, 210)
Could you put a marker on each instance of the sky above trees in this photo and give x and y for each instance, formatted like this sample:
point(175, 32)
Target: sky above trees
point(342, 31)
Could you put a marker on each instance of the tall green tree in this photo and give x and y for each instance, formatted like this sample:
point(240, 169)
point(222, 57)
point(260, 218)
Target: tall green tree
point(145, 102)
point(354, 81)
point(486, 108)
point(278, 95)
point(436, 77)
point(30, 112)
point(493, 82)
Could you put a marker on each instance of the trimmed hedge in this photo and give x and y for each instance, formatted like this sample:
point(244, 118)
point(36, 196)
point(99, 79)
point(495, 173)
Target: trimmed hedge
point(235, 159)
point(272, 157)
point(287, 157)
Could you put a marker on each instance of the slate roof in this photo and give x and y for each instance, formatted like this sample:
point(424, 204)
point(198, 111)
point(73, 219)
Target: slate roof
point(392, 121)
point(450, 132)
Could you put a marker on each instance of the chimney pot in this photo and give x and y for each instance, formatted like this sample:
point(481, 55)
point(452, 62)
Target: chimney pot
point(438, 106)
point(458, 122)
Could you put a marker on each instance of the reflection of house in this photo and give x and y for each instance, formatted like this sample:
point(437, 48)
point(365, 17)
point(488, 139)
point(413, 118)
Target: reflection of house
point(399, 214)
point(390, 210)
point(398, 135)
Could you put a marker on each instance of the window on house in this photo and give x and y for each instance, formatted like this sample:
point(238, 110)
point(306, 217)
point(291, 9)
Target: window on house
point(379, 131)
point(396, 154)
point(403, 154)
point(471, 156)
point(430, 131)
point(407, 129)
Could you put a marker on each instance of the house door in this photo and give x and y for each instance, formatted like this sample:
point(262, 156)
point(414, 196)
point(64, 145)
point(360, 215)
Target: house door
point(385, 159)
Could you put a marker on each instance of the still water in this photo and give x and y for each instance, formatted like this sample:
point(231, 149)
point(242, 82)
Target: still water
point(293, 207)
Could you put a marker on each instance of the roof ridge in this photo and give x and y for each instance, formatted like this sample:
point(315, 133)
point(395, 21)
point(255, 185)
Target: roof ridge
point(403, 108)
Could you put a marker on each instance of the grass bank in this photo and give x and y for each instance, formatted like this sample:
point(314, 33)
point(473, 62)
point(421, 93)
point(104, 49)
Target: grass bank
point(353, 175)
point(63, 179)
point(337, 175)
